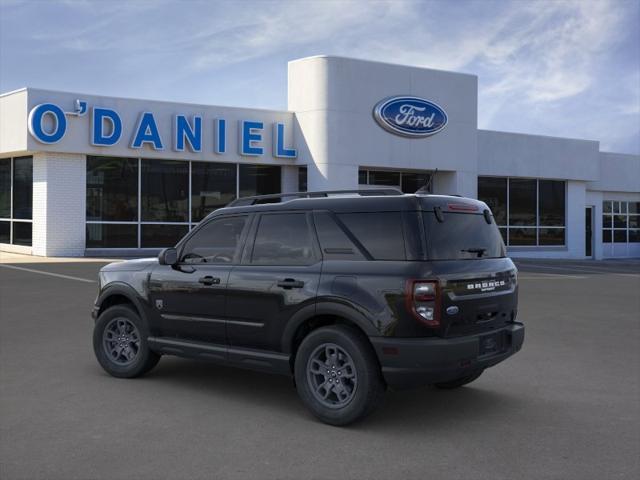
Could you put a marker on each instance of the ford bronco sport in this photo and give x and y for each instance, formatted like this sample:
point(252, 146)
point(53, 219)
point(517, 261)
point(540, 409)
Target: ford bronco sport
point(348, 293)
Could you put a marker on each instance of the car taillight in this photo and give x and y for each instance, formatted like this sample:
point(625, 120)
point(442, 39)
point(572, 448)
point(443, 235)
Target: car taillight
point(423, 301)
point(462, 207)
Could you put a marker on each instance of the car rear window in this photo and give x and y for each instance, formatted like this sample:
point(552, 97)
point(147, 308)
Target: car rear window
point(462, 236)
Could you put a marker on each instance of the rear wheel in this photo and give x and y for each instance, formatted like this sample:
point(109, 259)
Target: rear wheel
point(458, 382)
point(337, 375)
point(120, 343)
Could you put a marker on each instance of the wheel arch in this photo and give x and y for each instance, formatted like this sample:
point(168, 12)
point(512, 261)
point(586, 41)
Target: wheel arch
point(119, 294)
point(308, 319)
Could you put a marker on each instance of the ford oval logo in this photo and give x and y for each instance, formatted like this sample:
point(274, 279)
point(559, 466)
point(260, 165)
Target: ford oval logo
point(410, 116)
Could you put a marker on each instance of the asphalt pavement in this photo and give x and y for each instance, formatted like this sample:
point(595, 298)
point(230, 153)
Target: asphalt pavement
point(566, 407)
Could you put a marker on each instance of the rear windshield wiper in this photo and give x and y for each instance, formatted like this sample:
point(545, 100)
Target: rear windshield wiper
point(479, 251)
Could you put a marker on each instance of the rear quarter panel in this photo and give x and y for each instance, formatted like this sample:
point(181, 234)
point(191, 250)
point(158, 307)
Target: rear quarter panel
point(376, 291)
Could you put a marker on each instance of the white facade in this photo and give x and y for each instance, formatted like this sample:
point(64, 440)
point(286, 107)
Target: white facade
point(330, 129)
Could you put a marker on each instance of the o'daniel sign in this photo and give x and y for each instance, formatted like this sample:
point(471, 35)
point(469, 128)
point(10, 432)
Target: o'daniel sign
point(48, 123)
point(410, 116)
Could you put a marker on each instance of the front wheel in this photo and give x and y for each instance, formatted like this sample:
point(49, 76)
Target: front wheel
point(458, 382)
point(120, 343)
point(337, 375)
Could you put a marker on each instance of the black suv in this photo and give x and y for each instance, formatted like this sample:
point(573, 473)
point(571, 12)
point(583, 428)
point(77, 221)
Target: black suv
point(348, 293)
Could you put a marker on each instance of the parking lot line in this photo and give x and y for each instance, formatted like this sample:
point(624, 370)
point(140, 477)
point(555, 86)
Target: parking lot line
point(575, 268)
point(51, 274)
point(547, 276)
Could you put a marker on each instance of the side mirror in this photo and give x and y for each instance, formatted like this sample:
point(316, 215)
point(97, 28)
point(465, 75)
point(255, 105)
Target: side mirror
point(168, 256)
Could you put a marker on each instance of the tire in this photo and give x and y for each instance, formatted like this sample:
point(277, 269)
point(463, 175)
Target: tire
point(458, 382)
point(123, 324)
point(342, 355)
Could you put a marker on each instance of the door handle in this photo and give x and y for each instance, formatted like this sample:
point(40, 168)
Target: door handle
point(289, 283)
point(209, 280)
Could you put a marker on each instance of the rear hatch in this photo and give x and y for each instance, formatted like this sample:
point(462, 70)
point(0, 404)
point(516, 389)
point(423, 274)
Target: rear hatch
point(477, 282)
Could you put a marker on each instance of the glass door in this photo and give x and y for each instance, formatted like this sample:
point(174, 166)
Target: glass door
point(588, 233)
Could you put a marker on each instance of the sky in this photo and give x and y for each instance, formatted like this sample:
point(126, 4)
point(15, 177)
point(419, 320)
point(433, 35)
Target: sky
point(555, 67)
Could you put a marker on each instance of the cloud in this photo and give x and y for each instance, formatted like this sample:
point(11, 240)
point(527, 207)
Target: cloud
point(535, 60)
point(549, 53)
point(279, 26)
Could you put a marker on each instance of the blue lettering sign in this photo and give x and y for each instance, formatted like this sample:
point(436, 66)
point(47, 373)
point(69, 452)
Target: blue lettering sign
point(48, 123)
point(221, 136)
point(147, 132)
point(36, 117)
point(250, 133)
point(184, 131)
point(278, 143)
point(98, 119)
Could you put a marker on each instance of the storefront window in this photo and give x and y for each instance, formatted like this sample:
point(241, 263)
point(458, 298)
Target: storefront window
point(551, 236)
point(22, 233)
point(112, 235)
point(213, 185)
point(384, 178)
point(164, 191)
point(493, 191)
point(259, 180)
point(160, 236)
point(112, 189)
point(5, 231)
point(522, 202)
point(552, 203)
point(16, 200)
point(522, 236)
point(302, 179)
point(117, 188)
point(408, 182)
point(5, 188)
point(529, 212)
point(22, 187)
point(504, 232)
point(412, 182)
point(619, 236)
point(620, 221)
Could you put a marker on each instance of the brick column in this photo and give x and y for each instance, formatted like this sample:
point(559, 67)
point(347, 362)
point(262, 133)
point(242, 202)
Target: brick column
point(59, 202)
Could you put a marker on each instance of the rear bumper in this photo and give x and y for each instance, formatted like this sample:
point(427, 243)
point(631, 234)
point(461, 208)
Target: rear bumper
point(413, 362)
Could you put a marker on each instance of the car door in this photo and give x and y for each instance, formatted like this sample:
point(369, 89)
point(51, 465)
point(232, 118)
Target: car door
point(278, 276)
point(189, 298)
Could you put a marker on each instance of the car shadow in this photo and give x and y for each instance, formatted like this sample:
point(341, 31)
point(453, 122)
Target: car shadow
point(431, 409)
point(418, 409)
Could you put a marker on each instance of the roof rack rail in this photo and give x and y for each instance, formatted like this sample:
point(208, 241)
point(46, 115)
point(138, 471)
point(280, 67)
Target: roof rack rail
point(246, 201)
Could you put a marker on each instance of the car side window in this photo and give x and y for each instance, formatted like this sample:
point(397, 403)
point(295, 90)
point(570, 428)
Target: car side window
point(283, 239)
point(334, 242)
point(216, 242)
point(379, 232)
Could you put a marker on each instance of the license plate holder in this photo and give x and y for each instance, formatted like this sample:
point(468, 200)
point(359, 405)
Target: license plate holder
point(490, 344)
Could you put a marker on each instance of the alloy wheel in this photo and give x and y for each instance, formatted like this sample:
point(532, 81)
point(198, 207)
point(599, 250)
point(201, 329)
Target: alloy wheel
point(121, 341)
point(331, 374)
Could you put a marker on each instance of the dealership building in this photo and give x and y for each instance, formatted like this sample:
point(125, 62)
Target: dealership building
point(94, 175)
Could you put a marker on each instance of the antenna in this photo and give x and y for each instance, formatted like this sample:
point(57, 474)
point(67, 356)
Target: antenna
point(426, 188)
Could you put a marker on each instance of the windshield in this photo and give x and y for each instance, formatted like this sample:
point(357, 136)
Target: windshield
point(462, 236)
